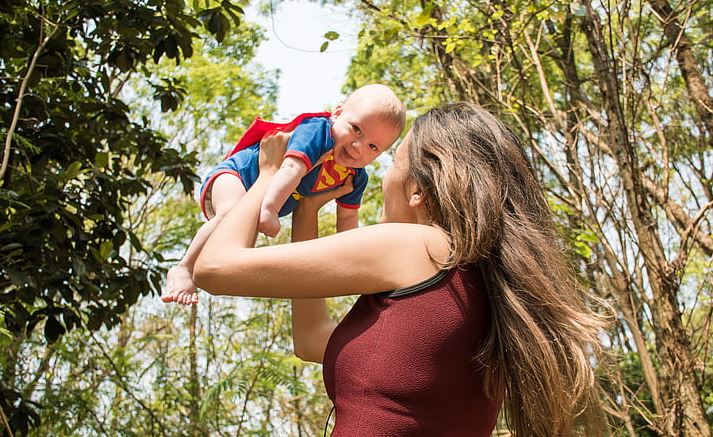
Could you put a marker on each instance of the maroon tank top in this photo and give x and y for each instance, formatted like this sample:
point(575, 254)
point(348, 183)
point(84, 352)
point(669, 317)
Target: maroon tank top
point(400, 363)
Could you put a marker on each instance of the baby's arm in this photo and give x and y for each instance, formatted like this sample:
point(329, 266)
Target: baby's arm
point(282, 185)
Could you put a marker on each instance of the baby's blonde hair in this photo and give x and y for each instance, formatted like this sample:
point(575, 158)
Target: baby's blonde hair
point(387, 105)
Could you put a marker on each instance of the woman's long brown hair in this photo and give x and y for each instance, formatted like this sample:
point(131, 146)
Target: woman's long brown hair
point(539, 352)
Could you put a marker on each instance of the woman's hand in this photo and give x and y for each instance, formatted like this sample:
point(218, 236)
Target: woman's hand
point(314, 203)
point(272, 150)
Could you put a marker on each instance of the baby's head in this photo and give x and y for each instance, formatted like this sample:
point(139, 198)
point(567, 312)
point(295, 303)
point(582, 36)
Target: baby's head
point(368, 123)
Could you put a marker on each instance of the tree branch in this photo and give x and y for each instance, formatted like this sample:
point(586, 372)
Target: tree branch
point(677, 215)
point(4, 421)
point(20, 97)
point(681, 46)
point(125, 387)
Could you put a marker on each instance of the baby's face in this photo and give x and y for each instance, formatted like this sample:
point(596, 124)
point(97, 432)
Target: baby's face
point(360, 134)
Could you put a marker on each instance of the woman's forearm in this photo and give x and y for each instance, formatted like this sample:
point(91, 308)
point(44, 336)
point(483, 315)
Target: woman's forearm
point(311, 324)
point(347, 219)
point(236, 231)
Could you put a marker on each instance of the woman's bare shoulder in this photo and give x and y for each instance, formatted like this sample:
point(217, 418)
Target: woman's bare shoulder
point(400, 253)
point(407, 247)
point(413, 236)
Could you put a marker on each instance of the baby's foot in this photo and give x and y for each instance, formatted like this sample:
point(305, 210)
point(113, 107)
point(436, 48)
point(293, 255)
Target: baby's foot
point(180, 287)
point(269, 223)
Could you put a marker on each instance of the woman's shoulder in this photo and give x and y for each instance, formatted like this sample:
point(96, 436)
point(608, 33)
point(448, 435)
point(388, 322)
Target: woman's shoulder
point(410, 233)
point(434, 239)
point(426, 247)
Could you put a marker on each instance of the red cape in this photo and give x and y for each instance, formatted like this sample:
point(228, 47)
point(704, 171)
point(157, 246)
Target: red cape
point(259, 128)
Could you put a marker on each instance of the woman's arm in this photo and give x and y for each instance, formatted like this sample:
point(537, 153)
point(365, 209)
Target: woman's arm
point(347, 218)
point(365, 260)
point(311, 324)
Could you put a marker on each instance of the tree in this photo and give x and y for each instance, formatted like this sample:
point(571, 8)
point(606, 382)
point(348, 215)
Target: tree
point(73, 160)
point(613, 102)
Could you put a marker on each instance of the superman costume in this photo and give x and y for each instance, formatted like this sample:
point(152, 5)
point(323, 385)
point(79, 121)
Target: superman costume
point(311, 142)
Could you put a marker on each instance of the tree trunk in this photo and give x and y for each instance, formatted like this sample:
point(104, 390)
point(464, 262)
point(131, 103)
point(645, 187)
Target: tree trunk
point(194, 385)
point(620, 285)
point(624, 299)
point(117, 409)
point(695, 84)
point(683, 413)
point(296, 402)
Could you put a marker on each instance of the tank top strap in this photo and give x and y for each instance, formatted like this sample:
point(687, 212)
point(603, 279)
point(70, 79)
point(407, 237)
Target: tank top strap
point(401, 292)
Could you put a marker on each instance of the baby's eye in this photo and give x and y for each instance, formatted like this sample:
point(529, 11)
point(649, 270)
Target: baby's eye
point(356, 129)
point(373, 148)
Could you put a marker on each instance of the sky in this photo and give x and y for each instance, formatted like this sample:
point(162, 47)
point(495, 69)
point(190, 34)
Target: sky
point(310, 81)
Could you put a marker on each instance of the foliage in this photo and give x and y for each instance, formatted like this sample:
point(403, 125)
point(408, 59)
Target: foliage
point(614, 103)
point(125, 95)
point(77, 159)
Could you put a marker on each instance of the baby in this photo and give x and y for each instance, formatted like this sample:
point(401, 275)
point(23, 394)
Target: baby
point(323, 151)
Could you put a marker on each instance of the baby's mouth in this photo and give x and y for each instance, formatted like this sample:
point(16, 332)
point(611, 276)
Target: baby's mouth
point(346, 156)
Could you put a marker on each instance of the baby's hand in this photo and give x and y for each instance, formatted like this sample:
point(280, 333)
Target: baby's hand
point(180, 287)
point(269, 223)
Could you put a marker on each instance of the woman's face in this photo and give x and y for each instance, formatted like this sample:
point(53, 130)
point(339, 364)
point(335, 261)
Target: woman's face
point(397, 188)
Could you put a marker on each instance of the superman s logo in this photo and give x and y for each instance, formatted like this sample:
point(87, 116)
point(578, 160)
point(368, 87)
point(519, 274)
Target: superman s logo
point(331, 175)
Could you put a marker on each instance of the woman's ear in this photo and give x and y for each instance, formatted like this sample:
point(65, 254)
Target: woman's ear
point(415, 195)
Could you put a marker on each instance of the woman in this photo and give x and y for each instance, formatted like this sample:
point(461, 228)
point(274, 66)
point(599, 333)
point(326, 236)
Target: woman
point(466, 300)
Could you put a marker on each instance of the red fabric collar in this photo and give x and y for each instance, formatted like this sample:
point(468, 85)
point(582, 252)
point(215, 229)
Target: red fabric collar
point(259, 128)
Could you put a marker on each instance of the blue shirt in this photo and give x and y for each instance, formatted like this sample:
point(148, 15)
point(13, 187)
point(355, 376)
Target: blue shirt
point(311, 142)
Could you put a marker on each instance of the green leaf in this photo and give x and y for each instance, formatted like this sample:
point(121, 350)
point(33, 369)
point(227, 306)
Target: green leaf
point(583, 249)
point(228, 6)
point(10, 246)
point(331, 35)
point(72, 170)
point(450, 45)
point(588, 236)
point(79, 267)
point(421, 21)
point(171, 9)
point(101, 160)
point(53, 329)
point(105, 249)
point(123, 61)
point(324, 46)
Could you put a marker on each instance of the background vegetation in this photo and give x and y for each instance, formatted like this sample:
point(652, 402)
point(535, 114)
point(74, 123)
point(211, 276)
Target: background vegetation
point(106, 105)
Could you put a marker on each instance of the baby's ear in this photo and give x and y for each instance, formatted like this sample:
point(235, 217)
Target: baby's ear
point(337, 110)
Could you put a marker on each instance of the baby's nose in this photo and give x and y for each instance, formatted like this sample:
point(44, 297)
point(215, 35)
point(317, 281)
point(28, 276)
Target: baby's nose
point(356, 147)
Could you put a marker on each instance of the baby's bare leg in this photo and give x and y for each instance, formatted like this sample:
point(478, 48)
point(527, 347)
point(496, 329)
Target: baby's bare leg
point(226, 191)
